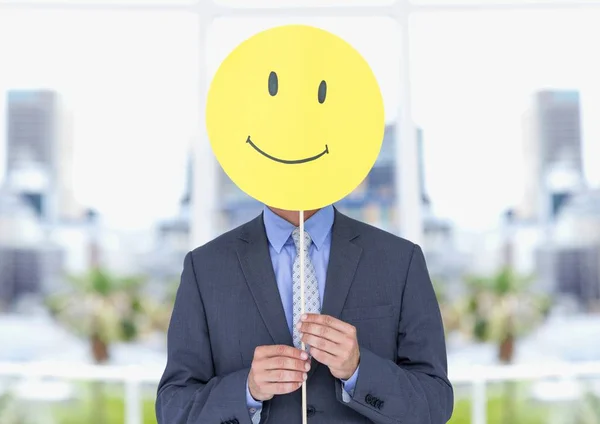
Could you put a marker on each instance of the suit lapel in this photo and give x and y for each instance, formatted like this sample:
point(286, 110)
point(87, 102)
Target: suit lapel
point(253, 254)
point(343, 262)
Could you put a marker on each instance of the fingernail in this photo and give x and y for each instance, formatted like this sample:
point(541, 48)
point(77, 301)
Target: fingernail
point(304, 317)
point(304, 355)
point(305, 376)
point(299, 325)
point(307, 367)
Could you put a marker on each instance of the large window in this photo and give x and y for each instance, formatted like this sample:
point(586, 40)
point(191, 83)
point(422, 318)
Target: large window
point(490, 161)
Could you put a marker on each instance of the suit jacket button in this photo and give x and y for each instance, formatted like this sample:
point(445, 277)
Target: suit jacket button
point(310, 411)
point(369, 399)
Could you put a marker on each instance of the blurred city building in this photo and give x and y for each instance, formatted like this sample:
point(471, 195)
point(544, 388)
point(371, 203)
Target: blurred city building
point(45, 234)
point(552, 152)
point(29, 264)
point(559, 214)
point(554, 174)
point(374, 200)
point(571, 262)
point(172, 236)
point(445, 261)
point(39, 146)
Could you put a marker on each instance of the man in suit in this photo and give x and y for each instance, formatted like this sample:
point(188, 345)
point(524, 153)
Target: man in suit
point(373, 327)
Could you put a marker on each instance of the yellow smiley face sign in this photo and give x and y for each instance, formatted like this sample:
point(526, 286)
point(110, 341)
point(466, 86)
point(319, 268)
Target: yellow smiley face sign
point(295, 117)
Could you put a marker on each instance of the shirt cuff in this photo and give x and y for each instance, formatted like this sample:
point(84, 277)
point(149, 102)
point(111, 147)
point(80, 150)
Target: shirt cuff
point(254, 406)
point(349, 385)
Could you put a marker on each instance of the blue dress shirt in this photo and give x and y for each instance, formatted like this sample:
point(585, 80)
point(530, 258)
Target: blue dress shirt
point(283, 253)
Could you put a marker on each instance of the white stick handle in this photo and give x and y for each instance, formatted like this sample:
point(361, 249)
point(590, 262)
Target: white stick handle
point(302, 250)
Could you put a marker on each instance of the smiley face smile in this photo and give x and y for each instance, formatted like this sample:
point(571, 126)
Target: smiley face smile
point(287, 162)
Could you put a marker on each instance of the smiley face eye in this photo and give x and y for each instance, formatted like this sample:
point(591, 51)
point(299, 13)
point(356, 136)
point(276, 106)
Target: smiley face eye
point(322, 92)
point(273, 83)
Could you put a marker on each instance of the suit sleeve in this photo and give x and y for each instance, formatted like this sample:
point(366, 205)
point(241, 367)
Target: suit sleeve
point(189, 391)
point(415, 388)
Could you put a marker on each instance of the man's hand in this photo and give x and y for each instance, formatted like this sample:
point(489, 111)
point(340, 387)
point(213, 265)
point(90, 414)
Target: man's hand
point(332, 342)
point(277, 370)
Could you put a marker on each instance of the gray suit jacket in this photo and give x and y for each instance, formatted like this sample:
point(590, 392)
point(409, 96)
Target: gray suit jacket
point(228, 304)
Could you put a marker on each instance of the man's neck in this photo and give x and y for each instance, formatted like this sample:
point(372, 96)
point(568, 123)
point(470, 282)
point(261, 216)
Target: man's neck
point(292, 217)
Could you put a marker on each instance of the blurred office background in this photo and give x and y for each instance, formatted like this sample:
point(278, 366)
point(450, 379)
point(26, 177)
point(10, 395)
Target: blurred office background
point(490, 161)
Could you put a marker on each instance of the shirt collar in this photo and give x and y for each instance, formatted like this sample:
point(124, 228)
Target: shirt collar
point(279, 230)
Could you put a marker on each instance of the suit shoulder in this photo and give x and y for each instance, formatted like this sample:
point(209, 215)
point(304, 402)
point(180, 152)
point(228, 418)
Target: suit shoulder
point(223, 243)
point(379, 237)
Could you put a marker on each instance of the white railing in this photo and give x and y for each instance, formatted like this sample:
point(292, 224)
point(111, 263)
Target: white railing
point(479, 377)
point(133, 377)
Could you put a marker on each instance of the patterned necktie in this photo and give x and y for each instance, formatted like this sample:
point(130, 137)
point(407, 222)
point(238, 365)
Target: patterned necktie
point(312, 301)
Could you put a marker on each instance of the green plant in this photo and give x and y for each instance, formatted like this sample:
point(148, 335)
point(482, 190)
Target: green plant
point(501, 308)
point(103, 308)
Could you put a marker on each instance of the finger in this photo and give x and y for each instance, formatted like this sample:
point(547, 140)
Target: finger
point(284, 363)
point(323, 357)
point(279, 388)
point(279, 350)
point(328, 321)
point(322, 331)
point(322, 344)
point(282, 376)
